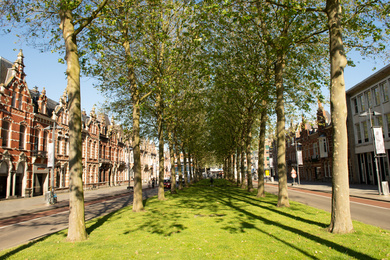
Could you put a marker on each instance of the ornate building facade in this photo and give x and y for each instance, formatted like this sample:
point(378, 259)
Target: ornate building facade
point(27, 119)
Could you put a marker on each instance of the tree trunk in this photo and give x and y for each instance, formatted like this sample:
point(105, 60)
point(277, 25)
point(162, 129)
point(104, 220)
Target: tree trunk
point(341, 216)
point(281, 142)
point(77, 231)
point(190, 166)
point(195, 169)
point(249, 161)
point(234, 162)
point(242, 166)
point(137, 198)
point(238, 166)
point(161, 193)
point(185, 167)
point(225, 169)
point(180, 170)
point(229, 167)
point(172, 158)
point(260, 170)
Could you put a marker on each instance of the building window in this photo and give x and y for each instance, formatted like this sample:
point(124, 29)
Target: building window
point(388, 124)
point(358, 133)
point(90, 149)
point(386, 166)
point(355, 106)
point(22, 134)
point(20, 101)
point(5, 134)
point(368, 95)
point(377, 96)
point(58, 146)
point(13, 102)
point(369, 164)
point(362, 104)
point(363, 167)
point(36, 140)
point(44, 141)
point(384, 91)
point(379, 121)
point(365, 129)
point(323, 147)
point(315, 149)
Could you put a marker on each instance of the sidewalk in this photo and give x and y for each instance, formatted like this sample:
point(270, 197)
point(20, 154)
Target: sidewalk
point(355, 190)
point(17, 207)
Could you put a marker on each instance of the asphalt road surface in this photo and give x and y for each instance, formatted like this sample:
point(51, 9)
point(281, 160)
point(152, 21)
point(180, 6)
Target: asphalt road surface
point(371, 212)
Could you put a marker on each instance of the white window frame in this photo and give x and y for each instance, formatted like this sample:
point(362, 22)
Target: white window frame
point(384, 89)
point(376, 95)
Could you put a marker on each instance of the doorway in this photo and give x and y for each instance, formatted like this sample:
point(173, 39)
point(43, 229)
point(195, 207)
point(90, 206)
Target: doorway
point(3, 180)
point(38, 183)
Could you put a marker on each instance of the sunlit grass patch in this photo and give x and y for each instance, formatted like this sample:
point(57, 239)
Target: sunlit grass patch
point(218, 222)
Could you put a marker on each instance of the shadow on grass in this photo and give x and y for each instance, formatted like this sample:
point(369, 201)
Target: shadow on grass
point(23, 247)
point(99, 222)
point(159, 223)
point(224, 197)
point(271, 206)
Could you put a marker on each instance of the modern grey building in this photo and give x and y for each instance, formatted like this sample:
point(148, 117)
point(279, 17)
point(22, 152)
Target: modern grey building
point(370, 99)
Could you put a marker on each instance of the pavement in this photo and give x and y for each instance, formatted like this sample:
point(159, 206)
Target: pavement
point(24, 206)
point(355, 190)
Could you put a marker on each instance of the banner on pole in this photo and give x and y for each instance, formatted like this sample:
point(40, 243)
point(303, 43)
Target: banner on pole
point(378, 139)
point(299, 155)
point(50, 157)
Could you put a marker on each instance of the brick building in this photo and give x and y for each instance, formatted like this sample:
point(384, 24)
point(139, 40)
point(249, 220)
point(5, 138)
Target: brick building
point(317, 146)
point(27, 118)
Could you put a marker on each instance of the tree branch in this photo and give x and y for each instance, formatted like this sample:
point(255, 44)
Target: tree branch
point(86, 21)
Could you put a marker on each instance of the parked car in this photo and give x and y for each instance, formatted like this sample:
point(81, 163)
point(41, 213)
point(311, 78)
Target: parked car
point(167, 183)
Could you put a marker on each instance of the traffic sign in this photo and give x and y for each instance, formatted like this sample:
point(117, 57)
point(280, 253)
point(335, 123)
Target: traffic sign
point(293, 173)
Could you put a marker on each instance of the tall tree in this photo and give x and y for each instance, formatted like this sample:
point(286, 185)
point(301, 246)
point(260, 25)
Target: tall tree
point(261, 151)
point(341, 215)
point(67, 20)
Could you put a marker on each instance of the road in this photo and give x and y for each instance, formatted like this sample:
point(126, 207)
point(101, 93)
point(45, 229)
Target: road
point(14, 234)
point(371, 212)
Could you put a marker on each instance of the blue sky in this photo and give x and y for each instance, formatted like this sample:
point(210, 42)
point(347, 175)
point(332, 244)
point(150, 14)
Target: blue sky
point(43, 70)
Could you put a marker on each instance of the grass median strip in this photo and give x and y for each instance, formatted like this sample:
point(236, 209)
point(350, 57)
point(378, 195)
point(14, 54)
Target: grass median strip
point(219, 222)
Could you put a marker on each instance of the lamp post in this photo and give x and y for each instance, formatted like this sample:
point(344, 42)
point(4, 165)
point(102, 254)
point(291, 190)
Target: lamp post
point(129, 168)
point(374, 113)
point(51, 161)
point(297, 157)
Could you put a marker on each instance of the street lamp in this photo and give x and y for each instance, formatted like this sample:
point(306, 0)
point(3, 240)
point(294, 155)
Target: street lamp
point(51, 161)
point(129, 169)
point(297, 157)
point(374, 113)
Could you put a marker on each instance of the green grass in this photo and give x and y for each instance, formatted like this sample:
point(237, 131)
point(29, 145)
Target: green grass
point(220, 222)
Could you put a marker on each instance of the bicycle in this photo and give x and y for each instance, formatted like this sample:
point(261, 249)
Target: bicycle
point(52, 198)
